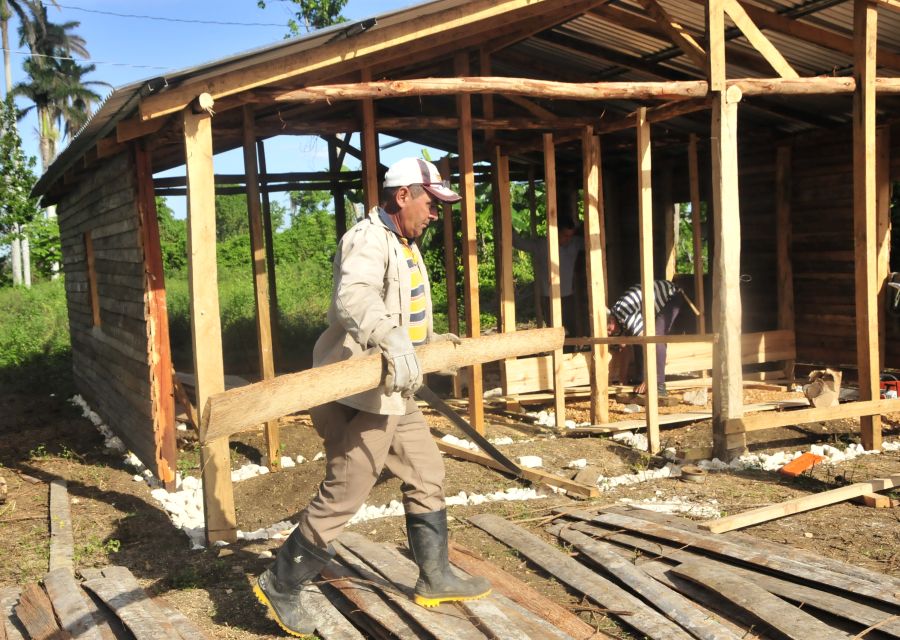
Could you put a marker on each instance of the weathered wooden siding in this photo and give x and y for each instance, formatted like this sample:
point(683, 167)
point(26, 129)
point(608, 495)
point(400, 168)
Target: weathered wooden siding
point(110, 361)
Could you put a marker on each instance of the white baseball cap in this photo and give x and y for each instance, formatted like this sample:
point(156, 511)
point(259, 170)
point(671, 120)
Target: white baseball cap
point(408, 171)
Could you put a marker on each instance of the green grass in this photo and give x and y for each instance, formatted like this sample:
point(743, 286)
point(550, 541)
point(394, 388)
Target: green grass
point(34, 336)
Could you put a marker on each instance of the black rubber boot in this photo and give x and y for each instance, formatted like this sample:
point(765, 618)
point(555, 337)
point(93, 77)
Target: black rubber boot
point(297, 562)
point(427, 534)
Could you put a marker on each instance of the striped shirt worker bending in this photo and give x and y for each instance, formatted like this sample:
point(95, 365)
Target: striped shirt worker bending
point(625, 317)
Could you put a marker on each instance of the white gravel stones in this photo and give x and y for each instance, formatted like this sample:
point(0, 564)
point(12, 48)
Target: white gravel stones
point(530, 462)
point(676, 505)
point(669, 471)
point(634, 440)
point(459, 442)
point(581, 463)
point(319, 456)
point(287, 462)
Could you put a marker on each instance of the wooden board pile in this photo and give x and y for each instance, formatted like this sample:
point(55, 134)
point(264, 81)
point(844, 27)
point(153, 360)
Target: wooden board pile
point(108, 604)
point(666, 578)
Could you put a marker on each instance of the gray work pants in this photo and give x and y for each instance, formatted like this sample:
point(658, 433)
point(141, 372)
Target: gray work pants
point(358, 445)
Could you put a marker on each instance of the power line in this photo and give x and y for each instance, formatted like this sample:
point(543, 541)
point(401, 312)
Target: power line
point(87, 60)
point(164, 19)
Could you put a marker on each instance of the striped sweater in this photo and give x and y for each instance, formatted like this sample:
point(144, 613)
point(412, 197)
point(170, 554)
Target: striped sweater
point(627, 309)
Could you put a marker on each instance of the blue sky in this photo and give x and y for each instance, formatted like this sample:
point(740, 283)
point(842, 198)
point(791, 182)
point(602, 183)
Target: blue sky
point(128, 49)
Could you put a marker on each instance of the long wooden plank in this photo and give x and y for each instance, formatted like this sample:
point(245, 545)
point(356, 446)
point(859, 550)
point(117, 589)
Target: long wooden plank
point(450, 266)
point(800, 594)
point(595, 263)
point(799, 505)
point(815, 414)
point(580, 578)
point(755, 556)
point(62, 544)
point(186, 629)
point(787, 619)
point(884, 186)
point(11, 624)
point(865, 25)
point(521, 593)
point(465, 148)
point(124, 578)
point(35, 612)
point(677, 33)
point(785, 270)
point(70, 605)
point(260, 277)
point(369, 144)
point(533, 475)
point(206, 331)
point(507, 285)
point(330, 624)
point(367, 600)
point(669, 603)
point(697, 232)
point(443, 621)
point(550, 206)
point(534, 626)
point(241, 408)
point(648, 291)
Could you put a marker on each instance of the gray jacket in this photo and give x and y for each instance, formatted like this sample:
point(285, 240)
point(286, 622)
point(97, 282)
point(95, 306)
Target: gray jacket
point(371, 296)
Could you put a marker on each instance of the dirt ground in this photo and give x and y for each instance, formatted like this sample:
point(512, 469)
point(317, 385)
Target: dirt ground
point(116, 521)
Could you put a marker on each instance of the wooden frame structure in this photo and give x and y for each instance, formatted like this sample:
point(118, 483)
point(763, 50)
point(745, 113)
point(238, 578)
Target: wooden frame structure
point(408, 74)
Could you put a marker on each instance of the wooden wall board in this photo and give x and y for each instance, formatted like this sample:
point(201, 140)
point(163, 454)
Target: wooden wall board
point(577, 576)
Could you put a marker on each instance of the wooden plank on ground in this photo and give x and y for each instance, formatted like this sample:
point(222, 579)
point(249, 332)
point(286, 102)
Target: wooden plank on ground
point(580, 578)
point(669, 603)
point(520, 592)
point(130, 606)
point(786, 618)
point(62, 545)
point(367, 600)
point(444, 622)
point(35, 612)
point(330, 624)
point(723, 547)
point(533, 626)
point(533, 475)
point(404, 573)
point(71, 606)
point(798, 505)
point(12, 627)
point(186, 629)
point(800, 594)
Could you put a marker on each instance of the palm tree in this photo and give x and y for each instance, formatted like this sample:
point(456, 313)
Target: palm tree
point(25, 10)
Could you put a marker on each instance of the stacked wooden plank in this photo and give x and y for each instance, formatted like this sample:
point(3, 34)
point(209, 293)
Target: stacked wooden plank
point(108, 604)
point(665, 577)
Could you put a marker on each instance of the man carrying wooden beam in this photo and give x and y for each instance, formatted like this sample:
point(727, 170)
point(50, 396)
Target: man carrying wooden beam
point(624, 318)
point(381, 300)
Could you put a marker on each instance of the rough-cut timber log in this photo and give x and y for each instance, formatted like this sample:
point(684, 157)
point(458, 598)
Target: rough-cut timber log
point(238, 409)
point(500, 85)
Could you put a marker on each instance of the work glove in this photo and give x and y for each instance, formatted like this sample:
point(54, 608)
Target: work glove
point(404, 374)
point(446, 337)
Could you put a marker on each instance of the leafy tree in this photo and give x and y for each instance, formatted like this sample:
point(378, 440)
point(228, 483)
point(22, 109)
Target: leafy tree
point(46, 252)
point(17, 207)
point(312, 15)
point(231, 216)
point(172, 238)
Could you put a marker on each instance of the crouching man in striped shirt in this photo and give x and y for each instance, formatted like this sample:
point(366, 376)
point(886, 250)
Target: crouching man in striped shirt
point(626, 318)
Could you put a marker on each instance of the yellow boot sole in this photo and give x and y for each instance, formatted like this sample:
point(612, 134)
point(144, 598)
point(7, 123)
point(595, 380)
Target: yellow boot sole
point(261, 596)
point(428, 603)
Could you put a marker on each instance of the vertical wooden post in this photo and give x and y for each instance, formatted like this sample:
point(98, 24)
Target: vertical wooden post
point(727, 374)
point(469, 244)
point(260, 281)
point(337, 190)
point(206, 331)
point(865, 15)
point(883, 226)
point(670, 219)
point(270, 245)
point(487, 111)
point(532, 208)
point(369, 143)
point(645, 215)
point(162, 392)
point(559, 390)
point(450, 267)
point(595, 257)
point(783, 233)
point(504, 239)
point(697, 228)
